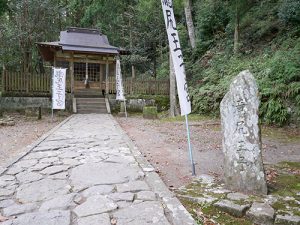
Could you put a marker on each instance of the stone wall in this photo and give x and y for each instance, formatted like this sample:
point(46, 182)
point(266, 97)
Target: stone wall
point(132, 105)
point(19, 103)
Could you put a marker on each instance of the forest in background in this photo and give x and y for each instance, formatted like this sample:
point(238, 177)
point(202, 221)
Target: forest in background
point(229, 36)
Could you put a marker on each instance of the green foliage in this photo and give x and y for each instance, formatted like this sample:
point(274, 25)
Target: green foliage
point(211, 18)
point(3, 7)
point(150, 112)
point(289, 11)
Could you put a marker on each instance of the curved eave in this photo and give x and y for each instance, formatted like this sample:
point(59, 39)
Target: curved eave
point(48, 50)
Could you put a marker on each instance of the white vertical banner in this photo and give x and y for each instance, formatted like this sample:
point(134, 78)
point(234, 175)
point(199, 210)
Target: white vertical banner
point(119, 83)
point(184, 98)
point(59, 88)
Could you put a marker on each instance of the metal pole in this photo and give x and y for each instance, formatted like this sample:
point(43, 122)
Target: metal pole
point(190, 146)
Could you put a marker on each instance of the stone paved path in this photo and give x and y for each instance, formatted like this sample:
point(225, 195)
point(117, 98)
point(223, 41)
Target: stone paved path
point(87, 172)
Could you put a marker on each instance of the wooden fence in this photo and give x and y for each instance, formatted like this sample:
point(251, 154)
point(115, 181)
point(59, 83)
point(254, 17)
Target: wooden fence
point(29, 83)
point(13, 82)
point(145, 87)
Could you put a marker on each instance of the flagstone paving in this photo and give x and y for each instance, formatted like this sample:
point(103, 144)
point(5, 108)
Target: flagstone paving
point(87, 172)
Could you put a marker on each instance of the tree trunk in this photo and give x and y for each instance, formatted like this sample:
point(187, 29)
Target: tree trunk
point(173, 101)
point(236, 30)
point(189, 22)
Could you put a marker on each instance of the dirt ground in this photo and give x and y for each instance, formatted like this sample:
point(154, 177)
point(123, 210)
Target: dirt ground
point(164, 145)
point(13, 139)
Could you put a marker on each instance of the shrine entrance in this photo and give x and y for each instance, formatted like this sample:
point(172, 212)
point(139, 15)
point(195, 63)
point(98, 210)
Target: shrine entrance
point(87, 55)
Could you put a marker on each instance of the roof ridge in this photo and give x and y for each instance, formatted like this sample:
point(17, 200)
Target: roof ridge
point(83, 30)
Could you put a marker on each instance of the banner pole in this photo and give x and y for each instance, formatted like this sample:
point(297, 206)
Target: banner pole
point(125, 108)
point(190, 146)
point(52, 94)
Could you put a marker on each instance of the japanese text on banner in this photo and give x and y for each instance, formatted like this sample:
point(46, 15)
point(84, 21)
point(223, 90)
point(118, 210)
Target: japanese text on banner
point(119, 83)
point(58, 88)
point(184, 98)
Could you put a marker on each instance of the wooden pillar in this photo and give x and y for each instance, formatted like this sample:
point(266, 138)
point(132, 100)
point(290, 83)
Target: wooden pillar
point(107, 77)
point(101, 75)
point(72, 75)
point(132, 71)
point(54, 61)
point(86, 74)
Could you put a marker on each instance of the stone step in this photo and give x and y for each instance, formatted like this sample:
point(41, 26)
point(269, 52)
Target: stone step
point(91, 107)
point(89, 111)
point(88, 94)
point(90, 100)
point(90, 103)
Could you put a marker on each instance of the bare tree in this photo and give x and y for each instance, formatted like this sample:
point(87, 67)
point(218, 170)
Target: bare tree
point(189, 22)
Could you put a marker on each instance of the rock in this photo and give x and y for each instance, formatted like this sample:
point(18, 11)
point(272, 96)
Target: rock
point(128, 197)
point(40, 166)
point(71, 162)
point(243, 166)
point(50, 160)
point(95, 205)
point(27, 177)
point(237, 196)
point(98, 190)
point(13, 170)
point(42, 218)
point(287, 220)
point(133, 186)
point(19, 209)
point(232, 208)
point(206, 179)
point(42, 190)
point(69, 154)
point(146, 196)
point(91, 174)
point(121, 159)
point(261, 213)
point(6, 203)
point(59, 176)
point(62, 203)
point(200, 200)
point(148, 169)
point(6, 192)
point(150, 112)
point(7, 178)
point(55, 169)
point(101, 219)
point(142, 213)
point(26, 163)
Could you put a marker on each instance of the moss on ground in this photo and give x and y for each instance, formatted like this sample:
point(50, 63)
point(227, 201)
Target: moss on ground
point(285, 187)
point(191, 117)
point(284, 135)
point(287, 183)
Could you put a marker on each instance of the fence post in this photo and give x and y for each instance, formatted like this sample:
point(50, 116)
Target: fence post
point(3, 80)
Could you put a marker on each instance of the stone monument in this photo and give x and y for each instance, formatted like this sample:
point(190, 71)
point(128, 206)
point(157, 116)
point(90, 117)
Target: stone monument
point(243, 165)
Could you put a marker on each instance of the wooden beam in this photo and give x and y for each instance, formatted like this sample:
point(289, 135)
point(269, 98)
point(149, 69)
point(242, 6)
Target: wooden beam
point(72, 77)
point(83, 60)
point(106, 78)
point(3, 80)
point(101, 75)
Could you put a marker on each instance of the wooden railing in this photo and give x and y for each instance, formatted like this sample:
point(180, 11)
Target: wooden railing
point(146, 87)
point(16, 82)
point(27, 83)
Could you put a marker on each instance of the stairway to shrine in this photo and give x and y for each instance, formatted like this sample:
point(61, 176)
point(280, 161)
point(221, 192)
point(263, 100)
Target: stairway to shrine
point(91, 105)
point(90, 101)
